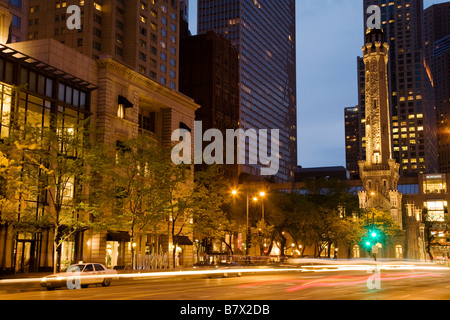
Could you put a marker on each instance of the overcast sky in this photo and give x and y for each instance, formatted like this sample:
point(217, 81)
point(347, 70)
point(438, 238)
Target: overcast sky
point(329, 40)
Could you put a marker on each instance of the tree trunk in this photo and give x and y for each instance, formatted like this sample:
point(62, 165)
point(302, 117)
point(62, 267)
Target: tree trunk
point(55, 251)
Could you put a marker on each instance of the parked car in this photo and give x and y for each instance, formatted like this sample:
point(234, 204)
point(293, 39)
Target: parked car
point(80, 275)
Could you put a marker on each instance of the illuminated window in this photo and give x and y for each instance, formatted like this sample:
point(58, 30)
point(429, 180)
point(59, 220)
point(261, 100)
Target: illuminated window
point(121, 111)
point(97, 6)
point(435, 183)
point(436, 210)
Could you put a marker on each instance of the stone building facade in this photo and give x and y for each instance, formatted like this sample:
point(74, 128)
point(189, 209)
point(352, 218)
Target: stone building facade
point(107, 83)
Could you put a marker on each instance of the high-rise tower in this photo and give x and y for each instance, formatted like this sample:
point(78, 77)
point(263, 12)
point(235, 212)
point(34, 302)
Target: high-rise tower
point(143, 35)
point(380, 172)
point(437, 53)
point(263, 31)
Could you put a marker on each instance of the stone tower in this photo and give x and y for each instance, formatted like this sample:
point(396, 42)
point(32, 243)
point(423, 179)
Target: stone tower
point(379, 173)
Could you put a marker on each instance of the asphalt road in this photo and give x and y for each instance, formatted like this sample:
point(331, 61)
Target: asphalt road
point(344, 285)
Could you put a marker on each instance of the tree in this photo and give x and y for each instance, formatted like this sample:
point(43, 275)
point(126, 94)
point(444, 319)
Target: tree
point(134, 186)
point(317, 217)
point(51, 171)
point(212, 220)
point(382, 224)
point(195, 200)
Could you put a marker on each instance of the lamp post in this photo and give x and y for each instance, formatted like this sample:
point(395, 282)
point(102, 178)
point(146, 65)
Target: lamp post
point(262, 194)
point(235, 192)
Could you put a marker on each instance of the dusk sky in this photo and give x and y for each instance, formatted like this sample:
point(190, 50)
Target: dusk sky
point(329, 40)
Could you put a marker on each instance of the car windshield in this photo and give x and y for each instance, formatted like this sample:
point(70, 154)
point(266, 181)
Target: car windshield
point(75, 268)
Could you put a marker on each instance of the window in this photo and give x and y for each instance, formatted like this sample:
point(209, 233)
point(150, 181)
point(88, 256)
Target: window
point(16, 3)
point(88, 268)
point(16, 21)
point(434, 183)
point(121, 111)
point(398, 252)
point(436, 210)
point(99, 267)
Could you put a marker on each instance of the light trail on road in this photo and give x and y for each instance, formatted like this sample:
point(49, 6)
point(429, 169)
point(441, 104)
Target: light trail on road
point(316, 269)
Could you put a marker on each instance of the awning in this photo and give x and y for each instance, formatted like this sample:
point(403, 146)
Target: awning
point(185, 126)
point(120, 236)
point(184, 241)
point(125, 102)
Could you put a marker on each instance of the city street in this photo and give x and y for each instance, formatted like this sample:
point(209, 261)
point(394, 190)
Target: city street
point(321, 285)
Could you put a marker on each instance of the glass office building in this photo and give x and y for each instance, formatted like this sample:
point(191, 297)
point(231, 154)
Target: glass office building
point(264, 33)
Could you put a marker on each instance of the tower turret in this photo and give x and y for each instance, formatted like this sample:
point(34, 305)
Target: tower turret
point(379, 173)
point(378, 127)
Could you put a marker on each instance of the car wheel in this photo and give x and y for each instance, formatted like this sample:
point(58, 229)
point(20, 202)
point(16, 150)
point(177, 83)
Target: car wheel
point(50, 288)
point(239, 274)
point(84, 286)
point(106, 282)
point(225, 275)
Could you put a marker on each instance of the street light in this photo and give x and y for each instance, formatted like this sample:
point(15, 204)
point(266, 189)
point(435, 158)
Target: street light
point(262, 194)
point(235, 193)
point(255, 199)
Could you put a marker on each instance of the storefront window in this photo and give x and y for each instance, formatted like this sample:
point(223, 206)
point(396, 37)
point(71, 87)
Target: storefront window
point(436, 210)
point(67, 254)
point(435, 183)
point(112, 254)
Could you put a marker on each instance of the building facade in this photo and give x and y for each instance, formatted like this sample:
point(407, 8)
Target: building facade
point(354, 133)
point(267, 47)
point(437, 53)
point(209, 73)
point(143, 35)
point(60, 79)
point(36, 91)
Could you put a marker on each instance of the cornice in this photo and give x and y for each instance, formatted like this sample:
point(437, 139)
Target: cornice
point(149, 84)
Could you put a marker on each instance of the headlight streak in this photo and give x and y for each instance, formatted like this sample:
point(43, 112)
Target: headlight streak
point(331, 281)
point(136, 276)
point(361, 280)
point(314, 269)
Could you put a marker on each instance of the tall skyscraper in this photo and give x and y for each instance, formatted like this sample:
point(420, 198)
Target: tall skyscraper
point(354, 131)
point(437, 52)
point(413, 122)
point(143, 35)
point(263, 32)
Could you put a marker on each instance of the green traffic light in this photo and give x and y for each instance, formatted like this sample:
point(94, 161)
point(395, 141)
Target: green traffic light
point(368, 243)
point(374, 234)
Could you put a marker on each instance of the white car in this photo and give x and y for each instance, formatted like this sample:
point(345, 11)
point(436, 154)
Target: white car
point(79, 276)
